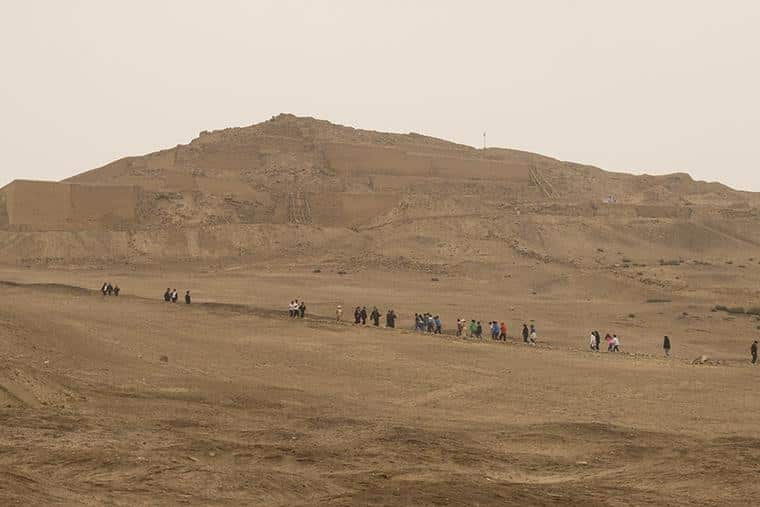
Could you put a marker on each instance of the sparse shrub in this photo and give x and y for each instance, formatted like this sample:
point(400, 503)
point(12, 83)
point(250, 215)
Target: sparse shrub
point(627, 261)
point(755, 310)
point(631, 315)
point(317, 270)
point(341, 272)
point(736, 310)
point(671, 262)
point(658, 300)
point(721, 308)
point(434, 279)
point(729, 262)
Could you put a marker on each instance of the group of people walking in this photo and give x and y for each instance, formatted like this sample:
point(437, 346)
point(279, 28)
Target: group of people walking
point(498, 330)
point(361, 316)
point(297, 309)
point(613, 342)
point(172, 296)
point(428, 323)
point(110, 290)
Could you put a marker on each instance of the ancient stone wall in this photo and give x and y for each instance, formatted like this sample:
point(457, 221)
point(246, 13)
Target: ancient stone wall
point(3, 211)
point(42, 205)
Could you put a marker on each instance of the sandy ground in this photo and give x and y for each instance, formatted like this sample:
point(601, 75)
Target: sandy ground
point(253, 408)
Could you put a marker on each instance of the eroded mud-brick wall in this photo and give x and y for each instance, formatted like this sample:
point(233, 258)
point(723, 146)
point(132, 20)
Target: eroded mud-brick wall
point(361, 160)
point(42, 205)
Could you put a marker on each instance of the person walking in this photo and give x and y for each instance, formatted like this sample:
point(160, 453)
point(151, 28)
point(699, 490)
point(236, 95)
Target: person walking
point(666, 346)
point(592, 342)
point(375, 316)
point(753, 351)
point(494, 330)
point(608, 339)
point(302, 309)
point(390, 319)
point(598, 339)
point(187, 298)
point(167, 294)
point(363, 315)
point(338, 313)
point(615, 343)
point(525, 333)
point(503, 332)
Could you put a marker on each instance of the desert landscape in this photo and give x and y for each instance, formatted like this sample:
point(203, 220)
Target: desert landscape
point(130, 400)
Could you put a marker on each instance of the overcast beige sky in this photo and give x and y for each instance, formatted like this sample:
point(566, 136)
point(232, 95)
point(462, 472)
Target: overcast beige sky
point(636, 86)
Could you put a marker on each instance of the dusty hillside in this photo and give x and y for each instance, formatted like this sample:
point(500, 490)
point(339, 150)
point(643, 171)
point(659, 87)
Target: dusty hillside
point(402, 200)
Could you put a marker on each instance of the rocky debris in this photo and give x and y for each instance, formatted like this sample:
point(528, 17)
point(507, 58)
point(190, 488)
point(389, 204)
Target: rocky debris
point(703, 359)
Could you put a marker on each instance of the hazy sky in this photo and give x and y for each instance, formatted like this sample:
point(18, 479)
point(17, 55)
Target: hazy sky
point(638, 86)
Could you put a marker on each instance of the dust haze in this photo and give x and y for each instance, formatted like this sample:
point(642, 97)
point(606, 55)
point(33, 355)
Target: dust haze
point(649, 87)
